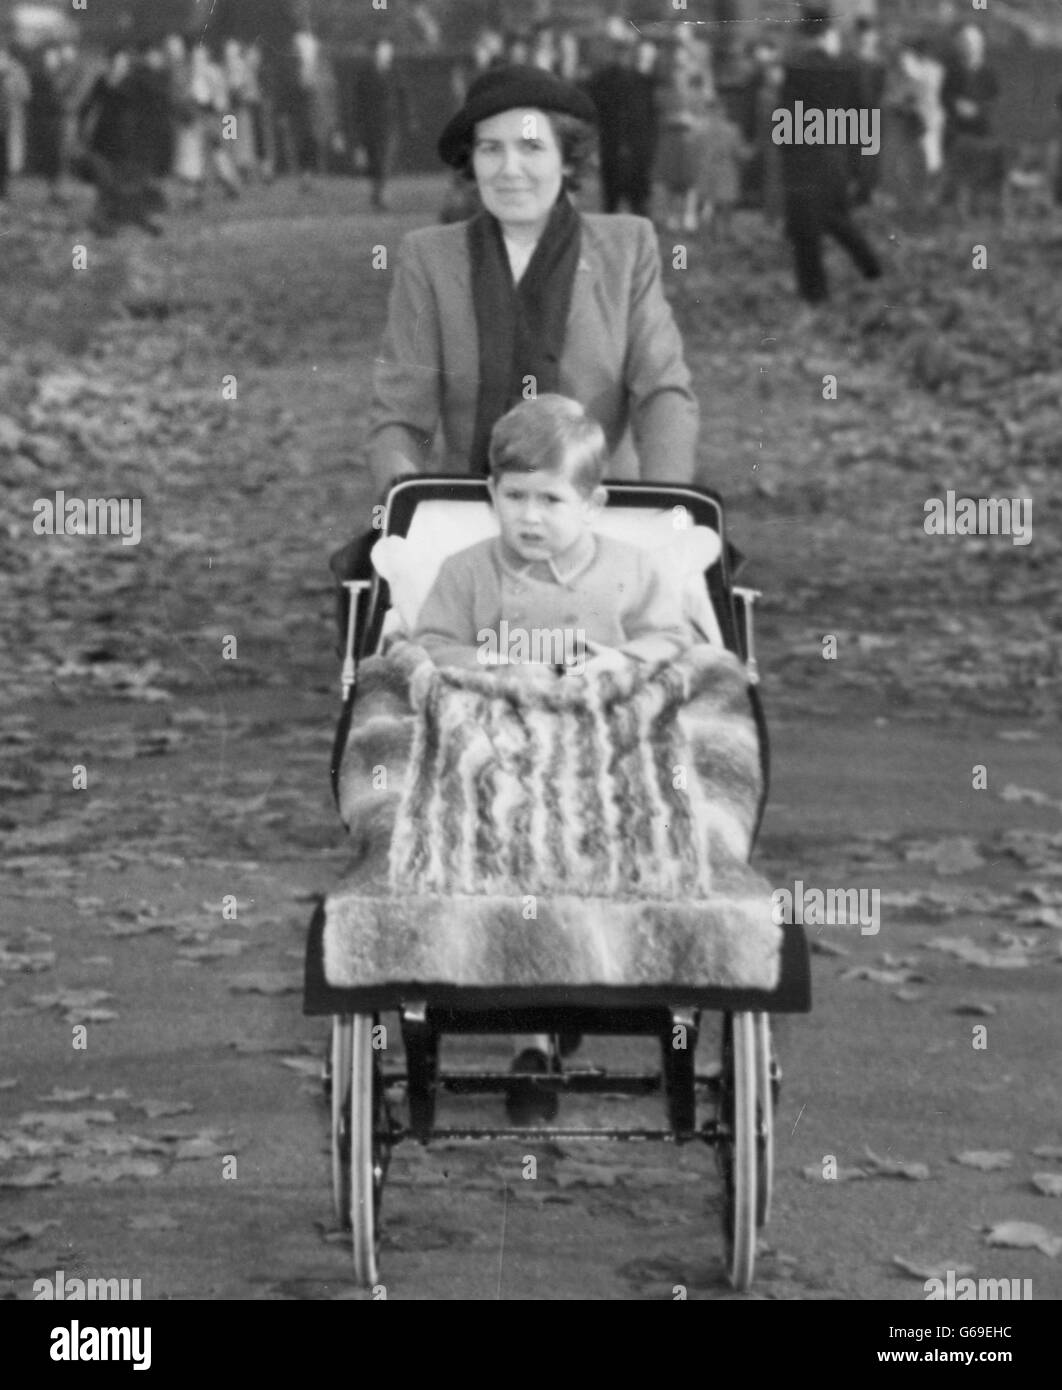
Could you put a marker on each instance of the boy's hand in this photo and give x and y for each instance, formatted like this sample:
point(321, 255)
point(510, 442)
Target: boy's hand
point(607, 659)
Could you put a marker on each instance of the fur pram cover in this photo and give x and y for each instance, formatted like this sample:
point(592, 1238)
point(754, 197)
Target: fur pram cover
point(570, 831)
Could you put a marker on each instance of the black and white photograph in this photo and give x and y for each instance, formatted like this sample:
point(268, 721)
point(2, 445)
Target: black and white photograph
point(530, 686)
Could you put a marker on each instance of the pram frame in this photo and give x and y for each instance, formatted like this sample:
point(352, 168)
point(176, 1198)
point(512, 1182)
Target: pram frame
point(743, 1086)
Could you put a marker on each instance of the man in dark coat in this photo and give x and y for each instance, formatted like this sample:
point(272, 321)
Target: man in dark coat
point(817, 177)
point(626, 110)
point(975, 163)
point(112, 123)
point(382, 111)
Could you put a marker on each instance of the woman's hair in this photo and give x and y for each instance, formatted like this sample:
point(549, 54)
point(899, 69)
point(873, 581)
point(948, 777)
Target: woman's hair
point(550, 434)
point(577, 140)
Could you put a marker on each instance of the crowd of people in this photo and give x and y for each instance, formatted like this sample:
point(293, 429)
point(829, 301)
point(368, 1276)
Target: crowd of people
point(204, 117)
point(681, 138)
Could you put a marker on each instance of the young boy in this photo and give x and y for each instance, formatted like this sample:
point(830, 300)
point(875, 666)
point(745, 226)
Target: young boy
point(548, 580)
point(548, 592)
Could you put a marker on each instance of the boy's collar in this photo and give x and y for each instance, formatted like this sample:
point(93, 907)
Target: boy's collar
point(563, 568)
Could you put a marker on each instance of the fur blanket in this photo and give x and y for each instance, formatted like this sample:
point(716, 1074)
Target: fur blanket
point(577, 830)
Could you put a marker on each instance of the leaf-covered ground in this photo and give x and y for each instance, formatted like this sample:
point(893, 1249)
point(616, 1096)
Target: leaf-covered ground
point(207, 777)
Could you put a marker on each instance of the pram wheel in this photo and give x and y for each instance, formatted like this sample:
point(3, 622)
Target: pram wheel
point(767, 1079)
point(736, 1148)
point(361, 1139)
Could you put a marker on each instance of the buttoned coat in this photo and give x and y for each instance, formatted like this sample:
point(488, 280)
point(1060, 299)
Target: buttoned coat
point(622, 359)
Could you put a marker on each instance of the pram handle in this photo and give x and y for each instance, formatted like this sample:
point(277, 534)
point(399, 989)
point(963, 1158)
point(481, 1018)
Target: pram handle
point(745, 600)
point(355, 588)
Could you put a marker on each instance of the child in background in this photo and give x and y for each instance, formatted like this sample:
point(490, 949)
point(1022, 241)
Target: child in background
point(549, 571)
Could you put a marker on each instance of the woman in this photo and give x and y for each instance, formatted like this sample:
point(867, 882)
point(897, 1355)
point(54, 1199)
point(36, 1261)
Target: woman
point(529, 296)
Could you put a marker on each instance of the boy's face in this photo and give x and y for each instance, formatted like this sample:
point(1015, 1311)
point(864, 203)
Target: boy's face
point(542, 514)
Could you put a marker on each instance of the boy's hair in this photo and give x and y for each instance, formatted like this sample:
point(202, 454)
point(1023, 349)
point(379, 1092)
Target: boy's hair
point(550, 434)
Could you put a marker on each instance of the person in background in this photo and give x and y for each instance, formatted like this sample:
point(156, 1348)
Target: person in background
point(873, 76)
point(5, 121)
point(916, 117)
point(263, 113)
point(723, 152)
point(626, 109)
point(682, 104)
point(973, 159)
point(569, 65)
point(382, 114)
point(19, 91)
point(113, 117)
point(153, 83)
point(771, 193)
point(189, 152)
point(297, 100)
point(242, 88)
point(46, 115)
point(544, 50)
point(816, 177)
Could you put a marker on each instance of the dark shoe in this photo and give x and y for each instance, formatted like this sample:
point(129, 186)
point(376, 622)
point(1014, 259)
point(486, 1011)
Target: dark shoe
point(525, 1103)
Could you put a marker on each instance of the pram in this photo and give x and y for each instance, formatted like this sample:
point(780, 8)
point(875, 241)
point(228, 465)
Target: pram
point(439, 515)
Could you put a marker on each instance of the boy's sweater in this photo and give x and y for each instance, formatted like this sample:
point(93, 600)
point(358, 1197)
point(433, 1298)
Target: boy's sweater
point(616, 594)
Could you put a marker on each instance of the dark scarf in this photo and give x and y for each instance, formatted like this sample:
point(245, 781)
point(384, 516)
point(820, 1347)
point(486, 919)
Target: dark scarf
point(521, 327)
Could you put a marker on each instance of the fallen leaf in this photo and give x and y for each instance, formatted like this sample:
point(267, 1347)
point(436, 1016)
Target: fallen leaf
point(76, 1172)
point(813, 1173)
point(61, 1096)
point(894, 1168)
point(153, 1221)
point(305, 1066)
point(880, 977)
point(1029, 794)
point(584, 1175)
point(1023, 1235)
point(22, 1232)
point(1050, 1184)
point(828, 948)
point(973, 1008)
point(1048, 1151)
point(266, 982)
point(40, 1175)
point(988, 1160)
point(65, 1119)
point(971, 953)
point(157, 1109)
point(200, 1146)
point(933, 1271)
point(955, 855)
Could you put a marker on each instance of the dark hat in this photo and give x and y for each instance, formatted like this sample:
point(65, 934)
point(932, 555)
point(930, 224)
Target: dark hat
point(502, 89)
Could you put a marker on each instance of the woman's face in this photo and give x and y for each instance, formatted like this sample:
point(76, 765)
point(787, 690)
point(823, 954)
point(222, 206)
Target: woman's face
point(518, 167)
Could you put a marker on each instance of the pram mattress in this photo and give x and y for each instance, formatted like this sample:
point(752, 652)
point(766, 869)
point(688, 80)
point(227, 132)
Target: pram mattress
point(578, 831)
